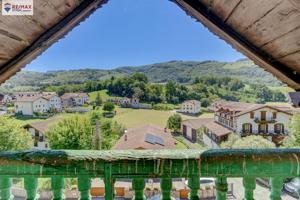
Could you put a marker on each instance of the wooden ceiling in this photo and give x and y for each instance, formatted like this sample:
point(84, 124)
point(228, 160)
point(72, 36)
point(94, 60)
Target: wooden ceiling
point(266, 31)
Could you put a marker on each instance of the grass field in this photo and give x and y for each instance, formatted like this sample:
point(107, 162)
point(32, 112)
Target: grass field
point(283, 89)
point(103, 94)
point(135, 117)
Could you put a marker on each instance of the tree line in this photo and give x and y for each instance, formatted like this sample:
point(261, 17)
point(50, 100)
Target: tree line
point(205, 89)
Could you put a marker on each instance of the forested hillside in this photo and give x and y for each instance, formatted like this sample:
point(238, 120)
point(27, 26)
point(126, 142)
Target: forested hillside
point(178, 71)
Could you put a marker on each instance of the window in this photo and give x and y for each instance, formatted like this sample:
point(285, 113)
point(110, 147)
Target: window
point(263, 128)
point(274, 115)
point(247, 128)
point(279, 128)
point(263, 115)
point(251, 115)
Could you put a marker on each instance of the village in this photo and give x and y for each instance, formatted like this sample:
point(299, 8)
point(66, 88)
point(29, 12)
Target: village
point(221, 121)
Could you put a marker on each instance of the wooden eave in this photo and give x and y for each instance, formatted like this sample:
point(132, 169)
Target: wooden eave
point(267, 32)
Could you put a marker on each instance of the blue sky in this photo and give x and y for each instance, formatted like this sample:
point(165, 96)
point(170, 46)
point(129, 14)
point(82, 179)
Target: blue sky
point(132, 33)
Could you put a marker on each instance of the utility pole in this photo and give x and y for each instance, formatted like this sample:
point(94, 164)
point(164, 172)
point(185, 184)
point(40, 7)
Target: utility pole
point(97, 138)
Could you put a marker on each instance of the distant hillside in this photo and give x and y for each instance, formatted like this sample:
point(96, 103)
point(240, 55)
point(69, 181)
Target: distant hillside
point(178, 71)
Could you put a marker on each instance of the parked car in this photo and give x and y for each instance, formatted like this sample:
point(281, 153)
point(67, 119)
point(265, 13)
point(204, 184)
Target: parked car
point(292, 187)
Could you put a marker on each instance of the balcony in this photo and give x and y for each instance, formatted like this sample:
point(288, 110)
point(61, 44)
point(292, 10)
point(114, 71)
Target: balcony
point(138, 165)
point(267, 120)
point(264, 133)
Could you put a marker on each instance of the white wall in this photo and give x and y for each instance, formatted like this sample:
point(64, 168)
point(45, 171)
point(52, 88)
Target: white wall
point(209, 142)
point(23, 107)
point(280, 118)
point(192, 108)
point(41, 105)
point(55, 102)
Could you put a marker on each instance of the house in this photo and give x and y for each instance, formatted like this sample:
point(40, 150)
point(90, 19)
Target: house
point(191, 107)
point(74, 99)
point(213, 133)
point(242, 119)
point(146, 137)
point(54, 102)
point(294, 98)
point(37, 130)
point(29, 105)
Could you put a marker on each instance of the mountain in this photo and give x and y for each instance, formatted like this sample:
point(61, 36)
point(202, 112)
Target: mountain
point(179, 71)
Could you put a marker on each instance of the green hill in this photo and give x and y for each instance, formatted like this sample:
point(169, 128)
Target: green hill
point(179, 71)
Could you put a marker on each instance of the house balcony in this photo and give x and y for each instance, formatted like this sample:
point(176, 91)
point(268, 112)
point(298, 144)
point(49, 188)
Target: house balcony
point(264, 133)
point(263, 121)
point(139, 165)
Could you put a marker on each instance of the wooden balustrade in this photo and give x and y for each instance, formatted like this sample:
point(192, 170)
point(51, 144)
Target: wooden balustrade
point(140, 165)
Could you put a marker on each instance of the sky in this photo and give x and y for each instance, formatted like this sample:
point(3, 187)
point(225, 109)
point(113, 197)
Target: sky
point(133, 33)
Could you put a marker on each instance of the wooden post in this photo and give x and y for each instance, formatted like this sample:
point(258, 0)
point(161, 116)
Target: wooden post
point(5, 184)
point(276, 187)
point(84, 186)
point(109, 183)
point(194, 184)
point(166, 187)
point(249, 186)
point(221, 186)
point(30, 184)
point(138, 185)
point(57, 185)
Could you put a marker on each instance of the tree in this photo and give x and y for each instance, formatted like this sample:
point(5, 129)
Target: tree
point(108, 106)
point(174, 122)
point(293, 140)
point(78, 132)
point(98, 100)
point(13, 136)
point(73, 132)
point(249, 142)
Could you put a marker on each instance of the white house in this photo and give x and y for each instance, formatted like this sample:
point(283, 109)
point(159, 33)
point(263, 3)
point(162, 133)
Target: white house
point(54, 102)
point(30, 105)
point(242, 119)
point(74, 99)
point(37, 131)
point(191, 107)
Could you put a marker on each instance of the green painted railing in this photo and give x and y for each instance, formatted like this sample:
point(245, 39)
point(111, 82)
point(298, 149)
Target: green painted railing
point(138, 165)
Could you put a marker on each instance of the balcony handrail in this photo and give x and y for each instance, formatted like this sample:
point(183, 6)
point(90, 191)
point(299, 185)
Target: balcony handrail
point(143, 164)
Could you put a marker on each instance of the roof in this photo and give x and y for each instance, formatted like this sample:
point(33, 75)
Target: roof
point(73, 95)
point(235, 106)
point(191, 101)
point(208, 123)
point(41, 126)
point(284, 109)
point(294, 98)
point(265, 31)
point(29, 99)
point(136, 138)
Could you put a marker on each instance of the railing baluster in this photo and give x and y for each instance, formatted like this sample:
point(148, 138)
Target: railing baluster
point(249, 186)
point(166, 187)
point(276, 187)
point(194, 184)
point(138, 185)
point(30, 185)
point(5, 184)
point(57, 185)
point(84, 186)
point(109, 183)
point(222, 188)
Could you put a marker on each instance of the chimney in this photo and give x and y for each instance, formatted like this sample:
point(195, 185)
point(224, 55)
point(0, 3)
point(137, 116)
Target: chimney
point(125, 137)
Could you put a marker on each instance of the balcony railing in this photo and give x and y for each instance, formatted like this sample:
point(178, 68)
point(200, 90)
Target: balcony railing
point(264, 133)
point(276, 164)
point(267, 120)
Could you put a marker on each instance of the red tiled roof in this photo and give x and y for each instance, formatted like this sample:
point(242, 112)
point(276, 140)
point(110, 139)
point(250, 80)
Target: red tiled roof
point(136, 138)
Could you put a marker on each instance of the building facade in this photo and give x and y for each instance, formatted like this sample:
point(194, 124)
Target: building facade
point(31, 105)
point(243, 119)
point(74, 99)
point(191, 107)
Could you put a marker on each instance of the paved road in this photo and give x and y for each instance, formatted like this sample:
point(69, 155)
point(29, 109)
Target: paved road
point(260, 192)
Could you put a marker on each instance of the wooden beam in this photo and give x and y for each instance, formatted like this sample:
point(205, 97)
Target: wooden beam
point(57, 31)
point(199, 11)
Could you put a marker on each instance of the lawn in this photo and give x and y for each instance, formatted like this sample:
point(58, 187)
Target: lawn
point(103, 94)
point(131, 118)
